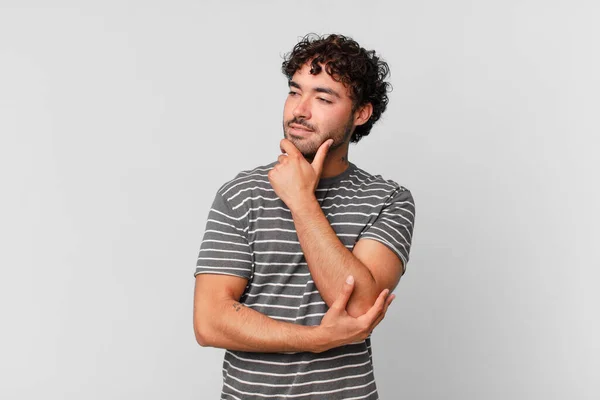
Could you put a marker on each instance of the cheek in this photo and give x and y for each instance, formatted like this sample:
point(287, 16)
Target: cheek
point(288, 109)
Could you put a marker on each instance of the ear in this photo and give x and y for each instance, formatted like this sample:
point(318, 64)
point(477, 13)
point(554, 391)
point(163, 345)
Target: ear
point(363, 114)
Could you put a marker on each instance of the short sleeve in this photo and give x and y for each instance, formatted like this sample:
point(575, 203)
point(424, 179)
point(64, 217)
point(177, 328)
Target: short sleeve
point(394, 225)
point(224, 249)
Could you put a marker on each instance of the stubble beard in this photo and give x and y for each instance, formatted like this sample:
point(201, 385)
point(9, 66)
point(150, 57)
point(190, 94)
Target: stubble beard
point(309, 146)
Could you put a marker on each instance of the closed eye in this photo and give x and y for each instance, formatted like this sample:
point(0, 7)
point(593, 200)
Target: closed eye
point(324, 100)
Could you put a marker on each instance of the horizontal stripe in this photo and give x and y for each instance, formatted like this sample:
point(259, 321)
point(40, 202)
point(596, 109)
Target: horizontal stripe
point(251, 233)
point(296, 384)
point(300, 373)
point(301, 394)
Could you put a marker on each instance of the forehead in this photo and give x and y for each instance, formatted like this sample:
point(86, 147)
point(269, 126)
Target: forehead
point(307, 81)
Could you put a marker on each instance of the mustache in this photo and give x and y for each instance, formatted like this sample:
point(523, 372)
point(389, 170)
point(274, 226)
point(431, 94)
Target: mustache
point(300, 121)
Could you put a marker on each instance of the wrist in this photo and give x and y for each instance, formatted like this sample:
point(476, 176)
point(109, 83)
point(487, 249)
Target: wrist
point(303, 202)
point(319, 340)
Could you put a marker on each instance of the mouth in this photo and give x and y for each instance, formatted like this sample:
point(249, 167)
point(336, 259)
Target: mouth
point(299, 131)
point(299, 127)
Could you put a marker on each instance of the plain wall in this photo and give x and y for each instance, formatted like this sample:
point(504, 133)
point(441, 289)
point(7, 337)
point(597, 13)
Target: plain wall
point(119, 121)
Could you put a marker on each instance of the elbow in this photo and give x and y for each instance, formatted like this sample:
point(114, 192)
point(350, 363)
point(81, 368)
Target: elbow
point(363, 298)
point(359, 307)
point(202, 338)
point(204, 332)
point(360, 304)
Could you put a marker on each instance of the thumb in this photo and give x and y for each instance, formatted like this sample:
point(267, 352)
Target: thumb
point(341, 301)
point(319, 159)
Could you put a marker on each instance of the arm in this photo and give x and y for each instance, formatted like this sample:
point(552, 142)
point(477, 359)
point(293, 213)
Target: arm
point(374, 265)
point(220, 321)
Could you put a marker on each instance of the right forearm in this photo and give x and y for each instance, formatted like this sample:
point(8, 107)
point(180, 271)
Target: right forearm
point(230, 325)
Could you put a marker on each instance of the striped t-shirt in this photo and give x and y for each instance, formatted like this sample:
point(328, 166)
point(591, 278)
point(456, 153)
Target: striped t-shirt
point(250, 233)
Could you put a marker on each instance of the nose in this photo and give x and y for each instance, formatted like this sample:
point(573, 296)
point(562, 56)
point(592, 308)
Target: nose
point(302, 109)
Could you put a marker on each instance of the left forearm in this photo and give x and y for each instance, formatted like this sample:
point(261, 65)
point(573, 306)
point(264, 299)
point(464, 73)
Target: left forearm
point(329, 261)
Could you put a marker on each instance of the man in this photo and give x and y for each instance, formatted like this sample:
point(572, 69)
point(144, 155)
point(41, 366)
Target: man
point(299, 256)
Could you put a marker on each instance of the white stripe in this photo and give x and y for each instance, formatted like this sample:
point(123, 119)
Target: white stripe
point(226, 224)
point(361, 397)
point(256, 169)
point(224, 233)
point(326, 198)
point(278, 263)
point(266, 209)
point(298, 362)
point(351, 224)
point(280, 252)
point(225, 259)
point(223, 214)
point(216, 273)
point(245, 181)
point(287, 307)
point(271, 230)
point(272, 306)
point(225, 251)
point(352, 190)
point(302, 394)
point(393, 239)
point(314, 371)
point(291, 296)
point(222, 241)
point(279, 284)
point(353, 213)
point(276, 241)
point(385, 222)
point(282, 274)
point(310, 315)
point(246, 189)
point(212, 267)
point(271, 219)
point(352, 205)
point(282, 385)
point(316, 303)
point(355, 197)
point(230, 395)
point(254, 198)
point(410, 223)
point(401, 208)
point(281, 318)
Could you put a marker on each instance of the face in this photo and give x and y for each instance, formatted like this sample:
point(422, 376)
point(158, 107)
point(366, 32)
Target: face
point(317, 108)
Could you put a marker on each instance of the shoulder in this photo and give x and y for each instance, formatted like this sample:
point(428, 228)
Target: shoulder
point(393, 188)
point(245, 179)
point(247, 186)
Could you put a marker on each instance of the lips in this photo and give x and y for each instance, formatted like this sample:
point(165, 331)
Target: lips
point(300, 127)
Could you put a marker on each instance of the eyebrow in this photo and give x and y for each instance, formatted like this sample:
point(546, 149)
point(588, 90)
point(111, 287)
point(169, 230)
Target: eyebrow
point(317, 89)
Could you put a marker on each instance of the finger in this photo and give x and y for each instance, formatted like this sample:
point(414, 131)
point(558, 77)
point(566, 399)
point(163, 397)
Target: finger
point(281, 158)
point(342, 300)
point(319, 159)
point(382, 314)
point(377, 308)
point(288, 147)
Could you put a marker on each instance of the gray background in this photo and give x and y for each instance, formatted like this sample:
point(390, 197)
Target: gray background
point(119, 121)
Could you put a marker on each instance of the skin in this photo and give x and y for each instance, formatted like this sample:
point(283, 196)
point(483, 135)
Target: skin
point(318, 120)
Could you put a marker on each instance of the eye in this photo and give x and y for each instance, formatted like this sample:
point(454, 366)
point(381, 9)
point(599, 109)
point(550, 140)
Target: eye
point(292, 93)
point(324, 100)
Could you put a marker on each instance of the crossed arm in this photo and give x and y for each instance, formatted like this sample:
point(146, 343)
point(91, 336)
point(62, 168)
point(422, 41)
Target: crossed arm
point(355, 285)
point(220, 321)
point(356, 305)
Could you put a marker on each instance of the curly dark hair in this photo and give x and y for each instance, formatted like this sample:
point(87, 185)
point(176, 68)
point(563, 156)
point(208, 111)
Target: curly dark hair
point(345, 61)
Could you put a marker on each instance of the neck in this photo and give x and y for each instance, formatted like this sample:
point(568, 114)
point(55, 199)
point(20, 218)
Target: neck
point(336, 162)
